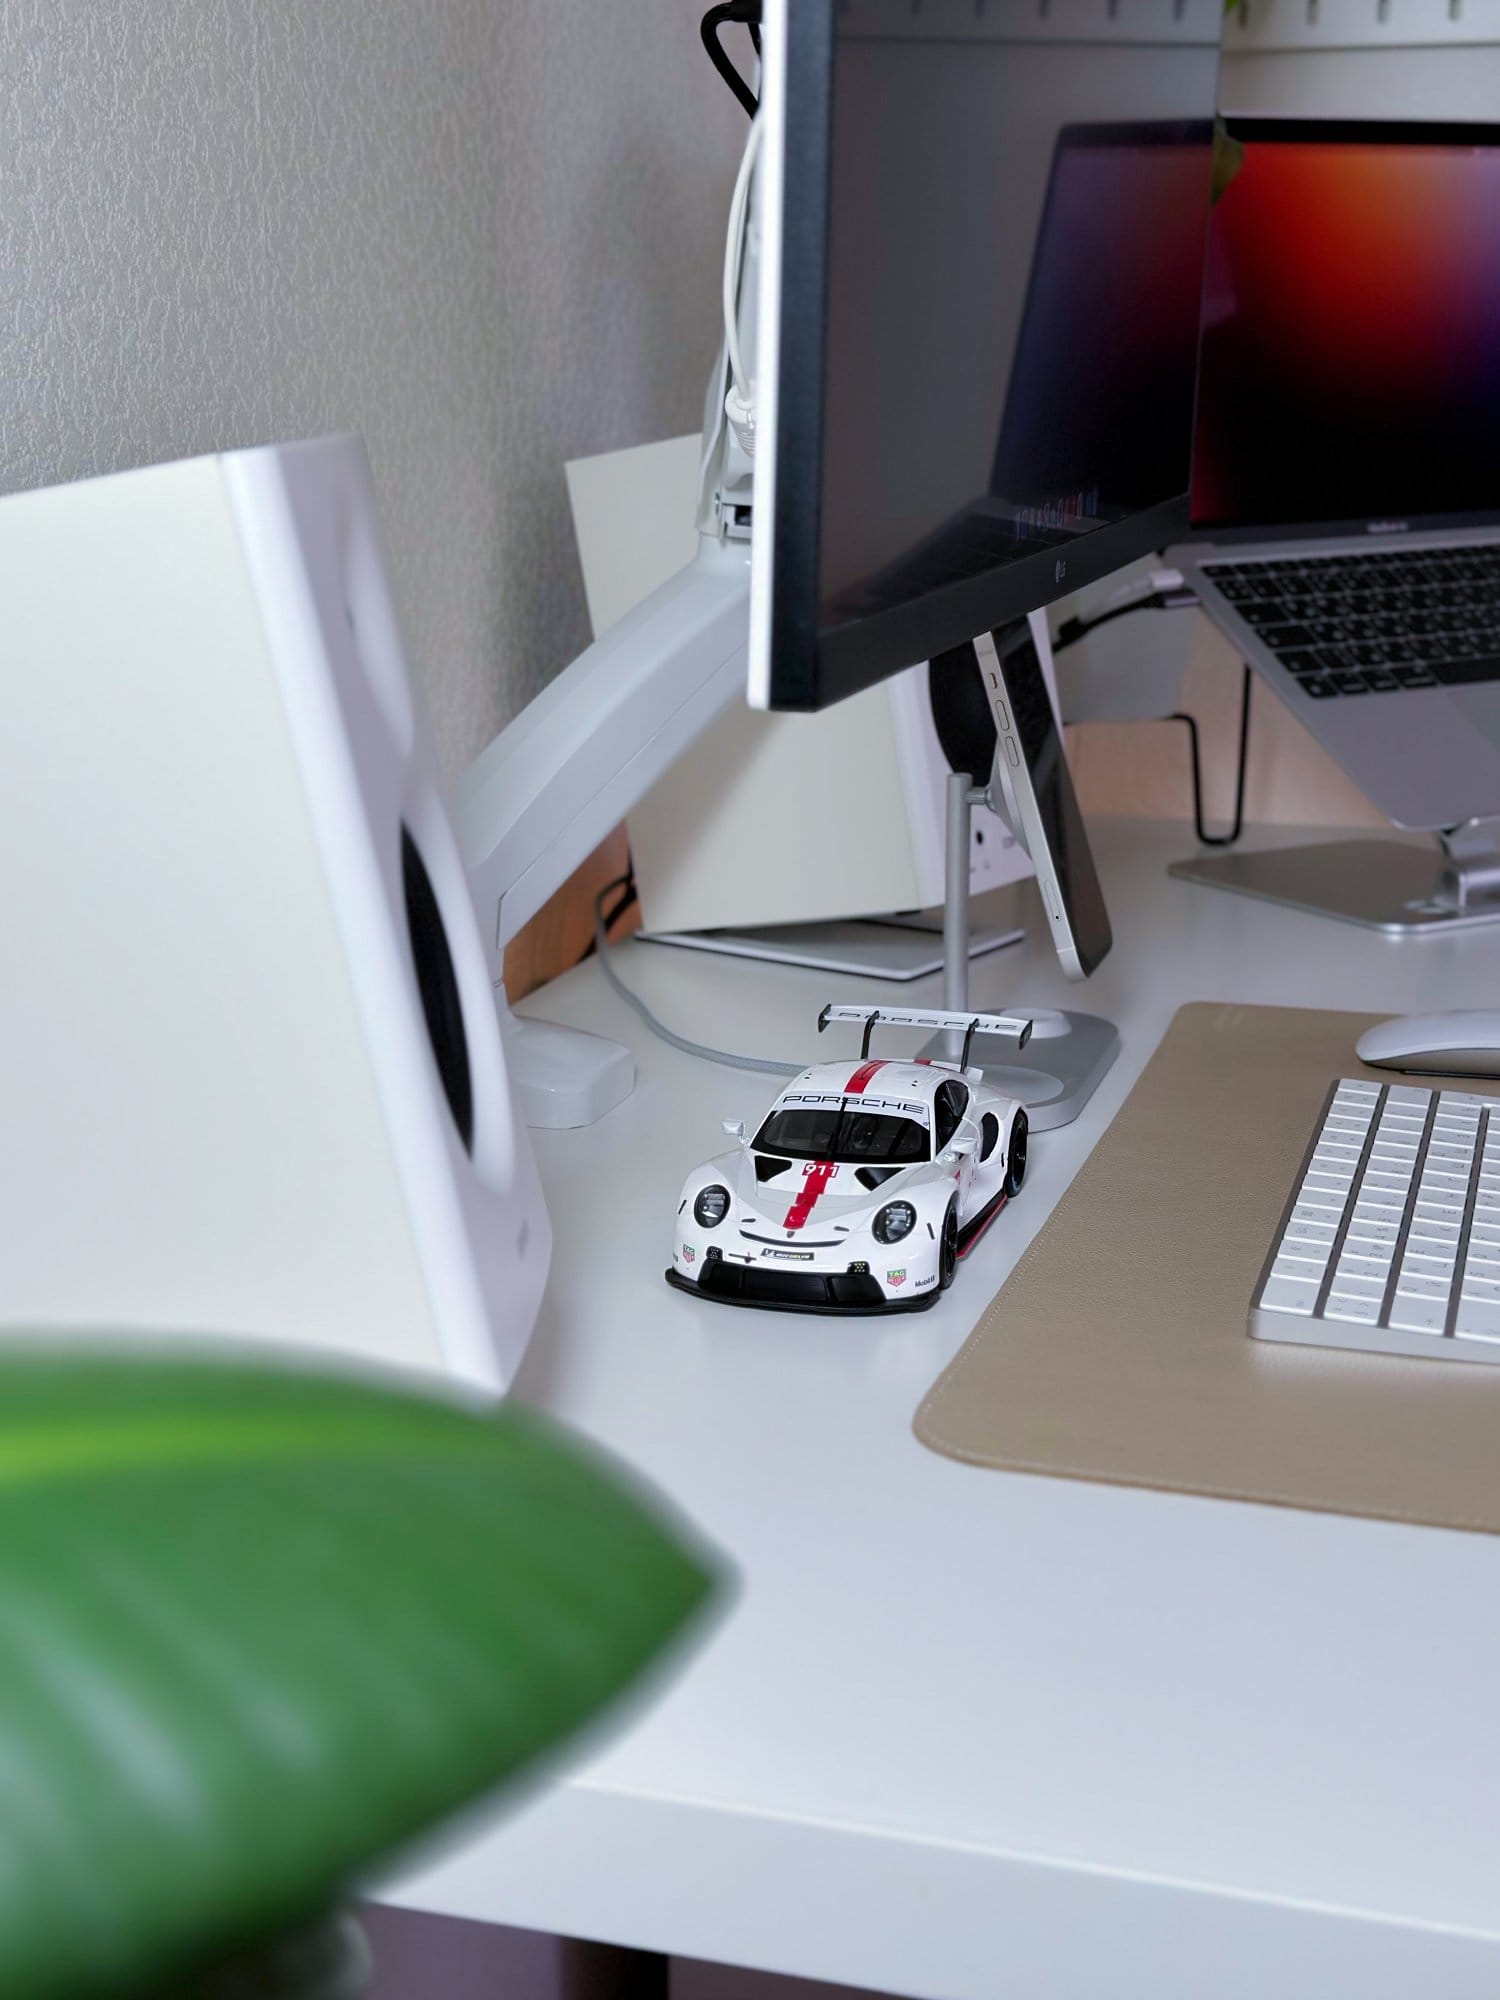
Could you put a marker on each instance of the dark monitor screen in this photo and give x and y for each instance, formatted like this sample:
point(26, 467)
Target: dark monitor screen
point(1351, 329)
point(985, 270)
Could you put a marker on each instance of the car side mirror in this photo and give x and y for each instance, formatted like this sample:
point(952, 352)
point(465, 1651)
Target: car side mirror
point(734, 1128)
point(963, 1143)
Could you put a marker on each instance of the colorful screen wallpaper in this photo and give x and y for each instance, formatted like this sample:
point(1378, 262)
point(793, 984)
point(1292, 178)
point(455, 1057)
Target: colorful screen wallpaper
point(1350, 358)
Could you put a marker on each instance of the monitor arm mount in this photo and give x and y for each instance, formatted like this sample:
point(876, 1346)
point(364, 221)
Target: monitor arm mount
point(559, 779)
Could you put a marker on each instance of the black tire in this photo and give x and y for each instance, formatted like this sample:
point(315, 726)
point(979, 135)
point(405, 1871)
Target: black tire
point(948, 1248)
point(1015, 1164)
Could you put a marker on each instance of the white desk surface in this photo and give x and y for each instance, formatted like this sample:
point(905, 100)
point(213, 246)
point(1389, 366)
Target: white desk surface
point(966, 1733)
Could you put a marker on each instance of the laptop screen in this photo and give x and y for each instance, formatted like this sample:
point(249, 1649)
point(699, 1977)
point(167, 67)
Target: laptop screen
point(1350, 361)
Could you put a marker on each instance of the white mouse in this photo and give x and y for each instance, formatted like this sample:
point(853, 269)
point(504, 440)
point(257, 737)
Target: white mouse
point(1463, 1043)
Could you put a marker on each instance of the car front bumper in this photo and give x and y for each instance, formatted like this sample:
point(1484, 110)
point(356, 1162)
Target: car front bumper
point(845, 1292)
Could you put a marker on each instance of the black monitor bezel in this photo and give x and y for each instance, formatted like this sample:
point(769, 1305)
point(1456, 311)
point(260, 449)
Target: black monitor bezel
point(811, 668)
point(1250, 130)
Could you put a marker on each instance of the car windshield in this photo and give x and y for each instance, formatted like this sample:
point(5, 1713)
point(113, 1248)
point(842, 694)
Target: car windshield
point(842, 1132)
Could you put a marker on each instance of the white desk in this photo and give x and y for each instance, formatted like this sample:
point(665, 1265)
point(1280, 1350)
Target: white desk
point(966, 1733)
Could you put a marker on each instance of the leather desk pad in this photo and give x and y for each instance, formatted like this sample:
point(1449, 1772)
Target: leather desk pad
point(1117, 1349)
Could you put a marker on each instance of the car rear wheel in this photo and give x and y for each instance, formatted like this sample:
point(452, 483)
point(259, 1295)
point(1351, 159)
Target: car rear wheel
point(1015, 1164)
point(948, 1248)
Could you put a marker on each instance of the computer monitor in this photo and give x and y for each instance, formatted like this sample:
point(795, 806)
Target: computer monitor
point(984, 228)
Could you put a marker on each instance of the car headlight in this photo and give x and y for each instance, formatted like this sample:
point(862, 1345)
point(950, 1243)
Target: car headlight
point(895, 1220)
point(711, 1207)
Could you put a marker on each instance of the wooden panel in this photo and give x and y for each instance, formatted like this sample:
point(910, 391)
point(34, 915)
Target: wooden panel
point(559, 933)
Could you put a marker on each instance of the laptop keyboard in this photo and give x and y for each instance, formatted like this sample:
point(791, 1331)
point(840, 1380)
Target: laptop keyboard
point(1376, 623)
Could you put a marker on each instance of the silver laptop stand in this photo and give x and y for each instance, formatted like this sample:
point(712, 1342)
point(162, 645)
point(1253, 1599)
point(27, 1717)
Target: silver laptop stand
point(1384, 885)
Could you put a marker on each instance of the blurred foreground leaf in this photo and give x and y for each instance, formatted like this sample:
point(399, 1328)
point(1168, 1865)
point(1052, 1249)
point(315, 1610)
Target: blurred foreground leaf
point(259, 1629)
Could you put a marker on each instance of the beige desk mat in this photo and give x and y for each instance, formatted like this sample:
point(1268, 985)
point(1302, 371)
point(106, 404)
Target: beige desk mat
point(1117, 1350)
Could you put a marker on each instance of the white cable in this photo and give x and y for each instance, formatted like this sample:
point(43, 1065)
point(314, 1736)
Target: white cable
point(734, 248)
point(729, 352)
point(631, 999)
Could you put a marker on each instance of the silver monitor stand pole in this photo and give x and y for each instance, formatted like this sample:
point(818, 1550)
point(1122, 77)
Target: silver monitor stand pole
point(1063, 1063)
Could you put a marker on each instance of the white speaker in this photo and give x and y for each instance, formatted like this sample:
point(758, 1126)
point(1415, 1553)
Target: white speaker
point(253, 1082)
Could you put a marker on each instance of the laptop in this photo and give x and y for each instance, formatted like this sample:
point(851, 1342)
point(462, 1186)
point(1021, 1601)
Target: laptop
point(1346, 466)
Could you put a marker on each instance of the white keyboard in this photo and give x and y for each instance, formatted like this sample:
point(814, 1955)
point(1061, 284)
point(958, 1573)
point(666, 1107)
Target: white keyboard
point(1391, 1240)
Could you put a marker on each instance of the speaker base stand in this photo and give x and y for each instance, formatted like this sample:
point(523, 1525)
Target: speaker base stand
point(563, 1077)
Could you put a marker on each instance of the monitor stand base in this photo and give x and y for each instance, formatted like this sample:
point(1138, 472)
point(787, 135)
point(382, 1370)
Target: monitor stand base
point(1392, 886)
point(1056, 1073)
point(902, 947)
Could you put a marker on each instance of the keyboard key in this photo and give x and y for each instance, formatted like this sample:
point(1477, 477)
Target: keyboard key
point(1300, 1260)
point(1378, 1235)
point(1463, 673)
point(1412, 1285)
point(1362, 1312)
point(1476, 1322)
point(1429, 1265)
point(1319, 1204)
point(1418, 1315)
point(1290, 1295)
point(1357, 1266)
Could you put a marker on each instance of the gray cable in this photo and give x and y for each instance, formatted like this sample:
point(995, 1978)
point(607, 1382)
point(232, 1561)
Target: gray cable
point(601, 943)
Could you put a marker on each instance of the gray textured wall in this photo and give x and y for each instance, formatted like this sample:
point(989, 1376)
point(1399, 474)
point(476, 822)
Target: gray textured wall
point(485, 233)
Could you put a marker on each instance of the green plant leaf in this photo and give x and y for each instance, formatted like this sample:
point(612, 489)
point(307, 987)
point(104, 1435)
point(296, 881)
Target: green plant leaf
point(257, 1629)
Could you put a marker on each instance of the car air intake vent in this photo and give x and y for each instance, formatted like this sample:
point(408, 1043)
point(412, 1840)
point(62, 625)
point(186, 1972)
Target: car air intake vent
point(767, 1169)
point(871, 1177)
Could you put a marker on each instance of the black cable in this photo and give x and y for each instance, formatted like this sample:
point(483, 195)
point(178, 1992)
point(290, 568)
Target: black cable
point(747, 14)
point(1073, 629)
point(1237, 824)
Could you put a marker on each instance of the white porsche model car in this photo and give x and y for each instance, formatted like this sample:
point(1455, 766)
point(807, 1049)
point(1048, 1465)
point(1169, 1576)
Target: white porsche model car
point(866, 1184)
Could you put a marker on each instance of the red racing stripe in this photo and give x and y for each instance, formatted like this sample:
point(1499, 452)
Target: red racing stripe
point(816, 1178)
point(861, 1077)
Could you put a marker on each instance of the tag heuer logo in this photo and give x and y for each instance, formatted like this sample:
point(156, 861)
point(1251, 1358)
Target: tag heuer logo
point(689, 1255)
point(896, 1277)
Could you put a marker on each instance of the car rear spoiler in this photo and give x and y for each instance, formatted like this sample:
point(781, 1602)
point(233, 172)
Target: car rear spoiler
point(967, 1025)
